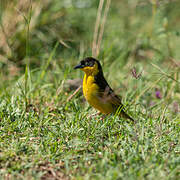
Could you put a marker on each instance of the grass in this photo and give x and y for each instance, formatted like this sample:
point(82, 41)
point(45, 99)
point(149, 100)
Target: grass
point(44, 136)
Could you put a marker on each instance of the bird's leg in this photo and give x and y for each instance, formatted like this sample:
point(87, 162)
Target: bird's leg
point(97, 114)
point(94, 115)
point(102, 117)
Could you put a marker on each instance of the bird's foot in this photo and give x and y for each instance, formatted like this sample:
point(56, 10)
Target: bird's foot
point(102, 117)
point(94, 115)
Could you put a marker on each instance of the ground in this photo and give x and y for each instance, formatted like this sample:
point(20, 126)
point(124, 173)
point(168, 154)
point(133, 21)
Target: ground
point(47, 131)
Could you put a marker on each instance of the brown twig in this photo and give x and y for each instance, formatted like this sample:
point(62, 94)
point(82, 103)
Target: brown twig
point(75, 92)
point(175, 62)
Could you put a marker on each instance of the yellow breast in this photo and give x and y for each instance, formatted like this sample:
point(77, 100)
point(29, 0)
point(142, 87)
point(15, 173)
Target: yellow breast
point(90, 91)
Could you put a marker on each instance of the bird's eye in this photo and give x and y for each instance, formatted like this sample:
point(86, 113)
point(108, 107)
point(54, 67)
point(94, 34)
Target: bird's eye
point(91, 63)
point(87, 63)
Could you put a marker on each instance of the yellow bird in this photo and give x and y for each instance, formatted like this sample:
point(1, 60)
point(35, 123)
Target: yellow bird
point(97, 91)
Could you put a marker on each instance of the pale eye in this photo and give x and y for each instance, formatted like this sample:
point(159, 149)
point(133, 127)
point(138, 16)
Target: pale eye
point(91, 63)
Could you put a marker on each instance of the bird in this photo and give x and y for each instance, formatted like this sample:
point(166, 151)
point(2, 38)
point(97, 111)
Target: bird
point(97, 91)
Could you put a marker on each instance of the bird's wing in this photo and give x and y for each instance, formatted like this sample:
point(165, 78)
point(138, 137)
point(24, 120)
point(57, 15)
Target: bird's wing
point(109, 96)
point(105, 92)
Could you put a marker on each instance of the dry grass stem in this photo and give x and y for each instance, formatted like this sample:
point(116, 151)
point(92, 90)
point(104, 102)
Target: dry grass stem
point(165, 74)
point(149, 87)
point(102, 26)
point(98, 19)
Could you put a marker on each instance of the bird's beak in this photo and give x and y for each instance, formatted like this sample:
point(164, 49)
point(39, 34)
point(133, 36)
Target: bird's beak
point(79, 66)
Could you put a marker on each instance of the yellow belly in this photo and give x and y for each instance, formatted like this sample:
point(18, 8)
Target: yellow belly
point(90, 91)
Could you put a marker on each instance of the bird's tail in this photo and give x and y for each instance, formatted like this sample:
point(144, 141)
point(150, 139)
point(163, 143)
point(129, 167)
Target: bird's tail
point(120, 111)
point(126, 116)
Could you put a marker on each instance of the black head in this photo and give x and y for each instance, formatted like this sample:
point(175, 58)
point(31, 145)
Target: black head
point(89, 64)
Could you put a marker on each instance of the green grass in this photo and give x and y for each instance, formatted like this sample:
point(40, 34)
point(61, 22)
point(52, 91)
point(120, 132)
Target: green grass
point(42, 136)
